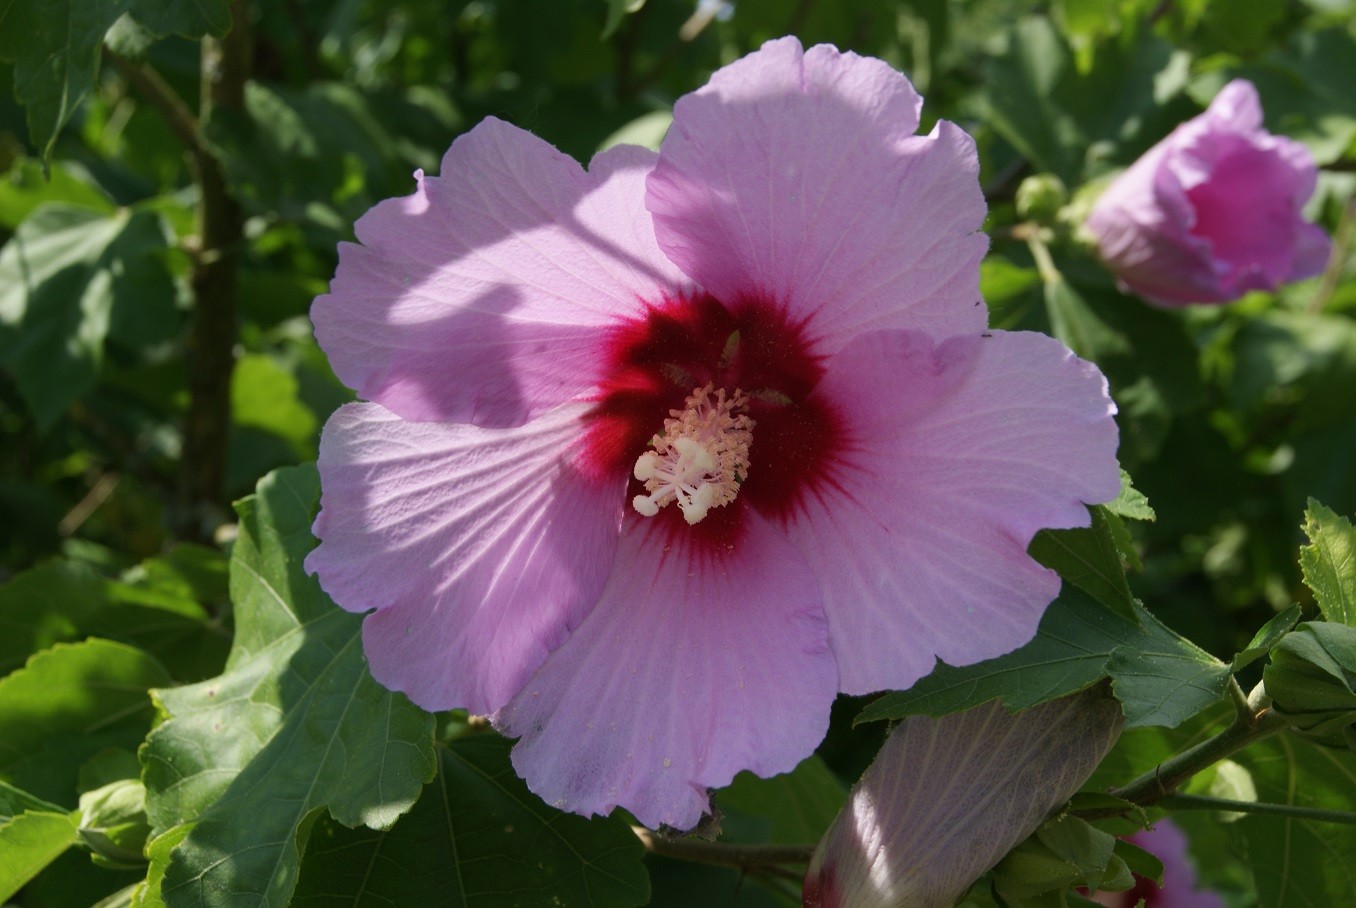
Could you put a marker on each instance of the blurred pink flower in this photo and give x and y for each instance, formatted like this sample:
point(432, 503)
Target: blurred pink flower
point(946, 798)
point(662, 454)
point(1167, 843)
point(1212, 211)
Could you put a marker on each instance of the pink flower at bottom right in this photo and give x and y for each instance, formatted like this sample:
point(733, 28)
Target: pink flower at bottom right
point(1167, 843)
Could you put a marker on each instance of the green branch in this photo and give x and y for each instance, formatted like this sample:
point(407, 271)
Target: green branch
point(212, 332)
point(1251, 724)
point(1201, 802)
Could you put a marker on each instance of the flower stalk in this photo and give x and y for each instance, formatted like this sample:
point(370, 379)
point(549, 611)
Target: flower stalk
point(1253, 721)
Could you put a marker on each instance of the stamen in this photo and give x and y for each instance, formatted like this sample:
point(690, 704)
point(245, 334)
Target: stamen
point(701, 458)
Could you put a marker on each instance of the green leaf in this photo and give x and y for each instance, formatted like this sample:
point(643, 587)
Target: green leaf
point(1306, 90)
point(647, 130)
point(25, 187)
point(1329, 562)
point(1081, 845)
point(190, 18)
point(264, 396)
point(67, 704)
point(15, 801)
point(1163, 678)
point(1123, 541)
point(790, 808)
point(158, 852)
point(1074, 322)
point(1285, 364)
point(70, 278)
point(1131, 502)
point(28, 843)
point(1141, 863)
point(1021, 84)
point(1159, 677)
point(1232, 782)
point(43, 606)
point(1089, 558)
point(155, 609)
point(55, 48)
point(1063, 852)
point(113, 822)
point(476, 838)
point(1269, 635)
point(294, 726)
point(1301, 862)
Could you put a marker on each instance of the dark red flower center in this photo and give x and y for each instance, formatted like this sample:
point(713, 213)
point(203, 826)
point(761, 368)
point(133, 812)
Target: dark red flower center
point(656, 362)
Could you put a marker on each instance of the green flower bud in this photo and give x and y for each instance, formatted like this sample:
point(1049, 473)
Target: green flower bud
point(1040, 197)
point(1312, 681)
point(946, 798)
point(113, 823)
point(1064, 852)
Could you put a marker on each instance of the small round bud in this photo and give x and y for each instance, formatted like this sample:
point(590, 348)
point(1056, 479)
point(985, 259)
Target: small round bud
point(1040, 197)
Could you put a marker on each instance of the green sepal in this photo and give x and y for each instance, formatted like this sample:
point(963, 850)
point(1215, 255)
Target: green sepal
point(1312, 680)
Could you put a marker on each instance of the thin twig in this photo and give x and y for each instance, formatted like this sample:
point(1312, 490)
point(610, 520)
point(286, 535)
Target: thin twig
point(1202, 802)
point(98, 493)
point(153, 87)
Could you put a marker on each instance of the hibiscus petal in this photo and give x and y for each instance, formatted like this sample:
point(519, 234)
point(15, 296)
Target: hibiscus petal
point(958, 452)
point(498, 274)
point(946, 798)
point(797, 176)
point(1312, 250)
point(693, 666)
point(479, 548)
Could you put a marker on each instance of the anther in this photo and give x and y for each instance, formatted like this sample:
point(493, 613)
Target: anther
point(700, 459)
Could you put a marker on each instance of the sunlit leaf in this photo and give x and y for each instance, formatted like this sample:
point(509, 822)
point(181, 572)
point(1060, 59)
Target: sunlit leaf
point(70, 278)
point(1131, 502)
point(55, 48)
point(1329, 562)
point(1267, 637)
point(1159, 677)
point(28, 843)
point(294, 727)
point(67, 704)
point(66, 601)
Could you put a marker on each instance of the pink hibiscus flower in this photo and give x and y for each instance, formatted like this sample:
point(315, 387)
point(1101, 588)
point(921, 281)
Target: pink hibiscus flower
point(661, 455)
point(1212, 211)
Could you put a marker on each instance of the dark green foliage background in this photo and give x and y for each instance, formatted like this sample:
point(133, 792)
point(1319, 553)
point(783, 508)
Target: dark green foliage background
point(143, 635)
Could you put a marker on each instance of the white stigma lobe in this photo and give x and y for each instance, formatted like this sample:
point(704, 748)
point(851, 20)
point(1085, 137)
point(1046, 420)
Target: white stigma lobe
point(700, 459)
